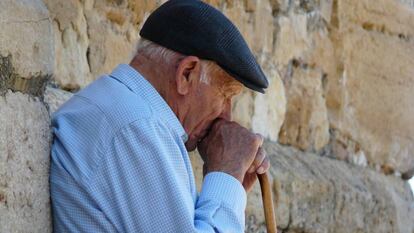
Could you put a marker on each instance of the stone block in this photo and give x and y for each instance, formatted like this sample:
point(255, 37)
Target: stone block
point(71, 41)
point(24, 164)
point(54, 98)
point(117, 46)
point(370, 98)
point(318, 194)
point(269, 108)
point(306, 124)
point(26, 35)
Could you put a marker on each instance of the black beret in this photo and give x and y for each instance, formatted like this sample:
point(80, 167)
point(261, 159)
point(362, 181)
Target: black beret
point(192, 27)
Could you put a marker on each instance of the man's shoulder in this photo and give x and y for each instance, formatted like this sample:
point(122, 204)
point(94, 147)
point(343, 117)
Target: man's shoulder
point(102, 108)
point(116, 102)
point(86, 124)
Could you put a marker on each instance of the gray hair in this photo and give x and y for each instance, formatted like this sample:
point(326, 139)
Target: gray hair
point(166, 56)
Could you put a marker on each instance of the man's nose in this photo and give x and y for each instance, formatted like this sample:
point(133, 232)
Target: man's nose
point(226, 113)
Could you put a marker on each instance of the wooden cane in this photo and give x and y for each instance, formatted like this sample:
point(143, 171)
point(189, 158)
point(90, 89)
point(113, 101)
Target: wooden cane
point(267, 203)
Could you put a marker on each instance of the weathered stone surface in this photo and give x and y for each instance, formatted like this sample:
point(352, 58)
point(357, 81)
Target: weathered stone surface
point(306, 123)
point(26, 62)
point(304, 55)
point(71, 43)
point(115, 47)
point(270, 108)
point(54, 98)
point(256, 26)
point(409, 3)
point(330, 55)
point(317, 194)
point(26, 34)
point(6, 74)
point(92, 37)
point(370, 99)
point(24, 164)
point(10, 80)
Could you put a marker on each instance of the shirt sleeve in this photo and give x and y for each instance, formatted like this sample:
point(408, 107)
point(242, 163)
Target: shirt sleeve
point(144, 184)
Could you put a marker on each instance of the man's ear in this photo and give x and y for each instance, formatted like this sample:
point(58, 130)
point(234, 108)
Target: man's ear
point(187, 74)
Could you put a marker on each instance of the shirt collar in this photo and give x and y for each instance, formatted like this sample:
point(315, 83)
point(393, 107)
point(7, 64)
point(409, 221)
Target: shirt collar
point(140, 86)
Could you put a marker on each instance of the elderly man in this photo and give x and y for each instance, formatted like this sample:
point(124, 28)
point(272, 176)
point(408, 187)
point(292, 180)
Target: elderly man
point(119, 160)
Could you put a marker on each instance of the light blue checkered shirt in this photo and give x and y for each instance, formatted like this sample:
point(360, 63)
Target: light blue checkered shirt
point(119, 164)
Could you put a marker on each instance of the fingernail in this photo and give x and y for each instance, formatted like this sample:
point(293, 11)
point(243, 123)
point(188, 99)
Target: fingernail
point(261, 170)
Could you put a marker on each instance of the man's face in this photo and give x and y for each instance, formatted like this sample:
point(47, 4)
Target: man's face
point(211, 101)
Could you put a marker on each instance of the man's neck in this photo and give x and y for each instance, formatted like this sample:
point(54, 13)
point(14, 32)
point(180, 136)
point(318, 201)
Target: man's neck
point(150, 72)
point(159, 78)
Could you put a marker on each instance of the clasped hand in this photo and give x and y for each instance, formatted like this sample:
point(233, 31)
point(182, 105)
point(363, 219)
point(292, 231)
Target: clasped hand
point(233, 149)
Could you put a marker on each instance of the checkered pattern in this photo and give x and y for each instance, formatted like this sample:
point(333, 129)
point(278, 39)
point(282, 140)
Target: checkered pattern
point(119, 164)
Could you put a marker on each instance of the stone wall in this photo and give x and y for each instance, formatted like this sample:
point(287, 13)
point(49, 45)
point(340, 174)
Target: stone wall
point(337, 115)
point(26, 63)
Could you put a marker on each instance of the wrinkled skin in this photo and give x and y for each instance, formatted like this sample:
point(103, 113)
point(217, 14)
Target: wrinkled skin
point(233, 149)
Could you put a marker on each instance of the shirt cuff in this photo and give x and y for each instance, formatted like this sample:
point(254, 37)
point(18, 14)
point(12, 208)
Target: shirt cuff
point(224, 188)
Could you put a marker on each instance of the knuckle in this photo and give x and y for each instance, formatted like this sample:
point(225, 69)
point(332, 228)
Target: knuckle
point(264, 166)
point(263, 151)
point(257, 140)
point(260, 154)
point(266, 163)
point(260, 157)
